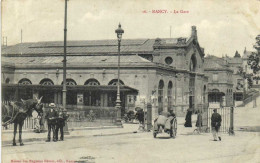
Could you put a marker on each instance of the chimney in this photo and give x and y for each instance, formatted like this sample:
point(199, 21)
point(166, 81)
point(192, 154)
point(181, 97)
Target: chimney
point(157, 43)
point(193, 31)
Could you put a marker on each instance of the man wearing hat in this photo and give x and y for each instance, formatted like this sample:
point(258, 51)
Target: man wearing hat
point(215, 124)
point(51, 117)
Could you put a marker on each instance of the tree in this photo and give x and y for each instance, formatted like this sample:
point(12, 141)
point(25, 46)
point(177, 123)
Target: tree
point(253, 62)
point(253, 59)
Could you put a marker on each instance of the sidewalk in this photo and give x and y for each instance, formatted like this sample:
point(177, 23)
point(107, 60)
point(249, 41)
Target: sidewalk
point(29, 136)
point(78, 132)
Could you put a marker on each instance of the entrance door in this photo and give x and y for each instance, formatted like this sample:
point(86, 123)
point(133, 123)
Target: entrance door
point(191, 91)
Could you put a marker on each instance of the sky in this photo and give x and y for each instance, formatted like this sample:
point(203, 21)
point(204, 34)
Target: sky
point(223, 26)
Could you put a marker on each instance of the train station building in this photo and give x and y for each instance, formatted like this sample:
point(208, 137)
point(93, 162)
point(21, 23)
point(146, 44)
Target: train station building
point(166, 73)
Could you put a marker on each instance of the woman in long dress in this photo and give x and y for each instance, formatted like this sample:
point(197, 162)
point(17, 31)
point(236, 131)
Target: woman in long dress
point(188, 118)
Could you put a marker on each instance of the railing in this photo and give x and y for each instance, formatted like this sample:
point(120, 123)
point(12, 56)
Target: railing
point(225, 116)
point(250, 97)
point(78, 117)
point(89, 116)
point(28, 124)
point(92, 117)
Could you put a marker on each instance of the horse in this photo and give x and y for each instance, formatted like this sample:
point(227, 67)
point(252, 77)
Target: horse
point(16, 112)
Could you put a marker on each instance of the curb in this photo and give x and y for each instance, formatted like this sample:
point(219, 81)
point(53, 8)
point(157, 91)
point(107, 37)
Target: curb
point(9, 143)
point(71, 129)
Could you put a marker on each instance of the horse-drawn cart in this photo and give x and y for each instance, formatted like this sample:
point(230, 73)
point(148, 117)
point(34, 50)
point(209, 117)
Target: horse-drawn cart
point(168, 124)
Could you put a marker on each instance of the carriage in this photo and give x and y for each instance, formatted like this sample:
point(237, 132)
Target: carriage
point(165, 123)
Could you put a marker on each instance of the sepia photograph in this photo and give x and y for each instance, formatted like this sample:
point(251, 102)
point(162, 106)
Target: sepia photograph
point(130, 81)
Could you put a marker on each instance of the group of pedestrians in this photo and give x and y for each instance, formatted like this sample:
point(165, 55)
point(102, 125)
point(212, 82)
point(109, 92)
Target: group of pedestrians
point(56, 118)
point(215, 122)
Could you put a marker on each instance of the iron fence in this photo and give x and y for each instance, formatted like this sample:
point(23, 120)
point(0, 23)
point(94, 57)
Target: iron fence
point(92, 117)
point(225, 115)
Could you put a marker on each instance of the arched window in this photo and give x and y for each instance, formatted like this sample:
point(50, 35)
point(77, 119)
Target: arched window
point(70, 82)
point(26, 93)
point(92, 82)
point(114, 82)
point(193, 63)
point(169, 95)
point(7, 81)
point(160, 96)
point(46, 81)
point(24, 81)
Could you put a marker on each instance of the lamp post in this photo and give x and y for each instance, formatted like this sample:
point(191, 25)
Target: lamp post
point(64, 90)
point(119, 31)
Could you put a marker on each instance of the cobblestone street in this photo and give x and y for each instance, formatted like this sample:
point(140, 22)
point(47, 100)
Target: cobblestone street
point(122, 145)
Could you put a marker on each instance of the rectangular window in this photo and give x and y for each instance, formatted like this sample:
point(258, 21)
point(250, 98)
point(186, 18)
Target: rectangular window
point(160, 100)
point(215, 78)
point(169, 99)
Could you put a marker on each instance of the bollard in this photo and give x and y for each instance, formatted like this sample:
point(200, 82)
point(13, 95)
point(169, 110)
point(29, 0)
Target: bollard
point(149, 117)
point(66, 129)
point(231, 128)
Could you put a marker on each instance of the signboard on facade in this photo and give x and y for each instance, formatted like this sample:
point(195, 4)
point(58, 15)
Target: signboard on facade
point(80, 98)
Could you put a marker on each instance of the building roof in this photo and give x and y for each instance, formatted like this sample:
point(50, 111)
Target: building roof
point(81, 47)
point(109, 60)
point(215, 63)
point(91, 47)
point(234, 60)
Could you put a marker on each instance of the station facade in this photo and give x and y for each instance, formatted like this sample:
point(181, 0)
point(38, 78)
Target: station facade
point(163, 73)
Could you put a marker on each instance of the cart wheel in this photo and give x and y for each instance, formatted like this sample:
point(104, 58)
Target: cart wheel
point(174, 129)
point(154, 134)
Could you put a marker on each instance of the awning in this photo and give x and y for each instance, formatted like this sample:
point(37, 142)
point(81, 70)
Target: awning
point(101, 88)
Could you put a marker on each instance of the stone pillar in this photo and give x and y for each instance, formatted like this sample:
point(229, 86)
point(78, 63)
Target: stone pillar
point(231, 129)
point(56, 97)
point(105, 100)
point(154, 104)
point(101, 99)
point(36, 94)
point(59, 98)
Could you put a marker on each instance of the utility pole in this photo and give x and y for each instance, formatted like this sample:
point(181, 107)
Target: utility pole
point(64, 90)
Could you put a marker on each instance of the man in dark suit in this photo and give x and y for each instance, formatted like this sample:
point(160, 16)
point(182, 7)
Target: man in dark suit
point(62, 117)
point(215, 124)
point(51, 117)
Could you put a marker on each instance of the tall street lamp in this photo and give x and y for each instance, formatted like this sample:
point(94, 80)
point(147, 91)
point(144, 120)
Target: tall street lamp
point(64, 89)
point(119, 31)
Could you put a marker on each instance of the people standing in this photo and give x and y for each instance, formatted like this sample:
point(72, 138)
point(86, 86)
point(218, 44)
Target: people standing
point(215, 124)
point(42, 120)
point(199, 120)
point(62, 117)
point(36, 121)
point(188, 118)
point(140, 118)
point(51, 117)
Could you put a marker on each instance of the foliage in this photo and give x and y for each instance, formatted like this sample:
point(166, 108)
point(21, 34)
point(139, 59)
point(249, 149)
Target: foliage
point(253, 59)
point(253, 62)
